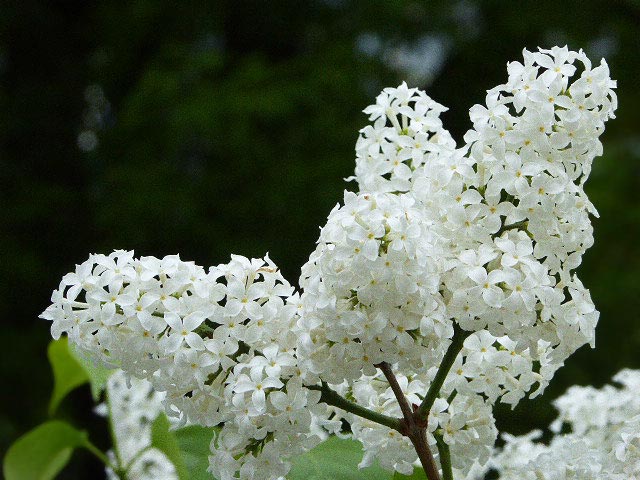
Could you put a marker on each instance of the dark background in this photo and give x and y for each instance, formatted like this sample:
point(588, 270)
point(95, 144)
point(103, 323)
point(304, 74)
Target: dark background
point(206, 128)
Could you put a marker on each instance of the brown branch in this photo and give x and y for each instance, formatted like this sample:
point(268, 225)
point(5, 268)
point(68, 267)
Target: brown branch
point(419, 441)
point(405, 408)
point(412, 425)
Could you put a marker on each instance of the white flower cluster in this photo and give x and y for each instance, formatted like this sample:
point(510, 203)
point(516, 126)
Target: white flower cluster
point(407, 134)
point(219, 343)
point(133, 406)
point(603, 439)
point(485, 236)
point(371, 290)
point(462, 257)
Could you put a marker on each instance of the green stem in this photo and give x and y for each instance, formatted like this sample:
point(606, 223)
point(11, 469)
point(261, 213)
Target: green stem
point(100, 455)
point(120, 472)
point(519, 225)
point(445, 457)
point(136, 457)
point(331, 397)
point(457, 341)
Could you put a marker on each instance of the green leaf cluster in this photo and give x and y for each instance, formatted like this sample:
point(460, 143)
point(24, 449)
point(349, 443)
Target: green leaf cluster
point(43, 452)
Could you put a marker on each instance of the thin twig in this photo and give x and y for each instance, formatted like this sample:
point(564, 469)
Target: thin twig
point(517, 225)
point(331, 397)
point(405, 408)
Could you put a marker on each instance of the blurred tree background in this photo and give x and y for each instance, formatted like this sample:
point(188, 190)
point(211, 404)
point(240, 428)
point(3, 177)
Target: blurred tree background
point(205, 128)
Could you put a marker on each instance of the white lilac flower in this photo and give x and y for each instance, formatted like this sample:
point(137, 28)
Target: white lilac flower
point(500, 226)
point(600, 439)
point(441, 243)
point(370, 288)
point(217, 344)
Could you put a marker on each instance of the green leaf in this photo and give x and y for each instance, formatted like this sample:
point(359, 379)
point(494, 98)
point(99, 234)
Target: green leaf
point(43, 452)
point(418, 474)
point(166, 442)
point(335, 458)
point(68, 373)
point(71, 370)
point(194, 442)
point(98, 375)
